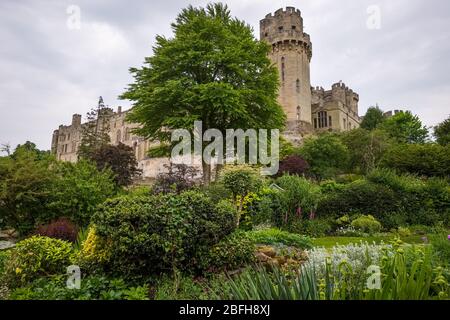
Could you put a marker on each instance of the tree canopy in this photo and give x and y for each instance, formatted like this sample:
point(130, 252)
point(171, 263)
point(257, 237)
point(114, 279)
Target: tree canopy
point(213, 70)
point(373, 118)
point(405, 127)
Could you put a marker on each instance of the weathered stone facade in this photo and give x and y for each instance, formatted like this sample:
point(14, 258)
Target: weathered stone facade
point(308, 109)
point(66, 141)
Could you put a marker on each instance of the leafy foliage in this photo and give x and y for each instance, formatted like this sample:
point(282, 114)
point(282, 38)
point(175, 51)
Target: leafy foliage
point(373, 118)
point(442, 132)
point(325, 154)
point(213, 70)
point(36, 257)
point(92, 288)
point(120, 159)
point(366, 224)
point(231, 253)
point(161, 233)
point(293, 165)
point(405, 127)
point(178, 178)
point(62, 229)
point(421, 159)
point(366, 148)
point(240, 180)
point(299, 199)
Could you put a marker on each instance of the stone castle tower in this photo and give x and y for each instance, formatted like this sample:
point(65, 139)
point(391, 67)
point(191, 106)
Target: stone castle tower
point(291, 53)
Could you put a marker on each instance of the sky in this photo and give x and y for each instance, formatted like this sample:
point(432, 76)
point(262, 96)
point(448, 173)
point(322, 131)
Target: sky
point(57, 57)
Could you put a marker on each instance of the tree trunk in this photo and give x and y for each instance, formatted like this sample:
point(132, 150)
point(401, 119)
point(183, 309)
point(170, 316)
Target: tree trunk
point(206, 173)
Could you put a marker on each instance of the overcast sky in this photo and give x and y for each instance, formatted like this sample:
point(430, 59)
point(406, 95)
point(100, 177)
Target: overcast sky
point(50, 70)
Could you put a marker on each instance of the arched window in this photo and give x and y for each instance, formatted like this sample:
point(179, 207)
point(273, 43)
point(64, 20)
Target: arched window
point(118, 136)
point(298, 113)
point(297, 85)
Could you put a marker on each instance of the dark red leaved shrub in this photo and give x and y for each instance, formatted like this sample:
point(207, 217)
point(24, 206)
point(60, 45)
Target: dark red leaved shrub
point(293, 165)
point(61, 228)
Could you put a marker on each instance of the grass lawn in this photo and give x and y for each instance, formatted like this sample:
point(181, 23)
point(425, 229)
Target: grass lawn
point(329, 242)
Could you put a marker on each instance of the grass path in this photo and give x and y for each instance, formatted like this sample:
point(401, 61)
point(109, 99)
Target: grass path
point(329, 242)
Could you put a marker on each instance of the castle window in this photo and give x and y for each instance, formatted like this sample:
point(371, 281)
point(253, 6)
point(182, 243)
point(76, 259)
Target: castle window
point(329, 121)
point(323, 119)
point(127, 134)
point(294, 27)
point(118, 136)
point(297, 85)
point(283, 66)
point(345, 124)
point(298, 113)
point(68, 136)
point(266, 34)
point(315, 123)
point(280, 29)
point(65, 148)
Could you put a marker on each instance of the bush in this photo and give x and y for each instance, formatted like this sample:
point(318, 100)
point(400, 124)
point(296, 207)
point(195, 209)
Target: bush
point(326, 155)
point(95, 252)
point(78, 191)
point(178, 178)
point(92, 288)
point(299, 199)
point(276, 236)
point(422, 159)
point(62, 229)
point(367, 224)
point(293, 165)
point(35, 257)
point(313, 228)
point(231, 253)
point(161, 233)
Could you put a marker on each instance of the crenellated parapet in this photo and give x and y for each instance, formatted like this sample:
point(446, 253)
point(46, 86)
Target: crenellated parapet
point(284, 31)
point(339, 93)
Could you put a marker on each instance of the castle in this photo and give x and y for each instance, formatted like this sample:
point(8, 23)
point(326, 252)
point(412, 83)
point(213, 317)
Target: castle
point(308, 109)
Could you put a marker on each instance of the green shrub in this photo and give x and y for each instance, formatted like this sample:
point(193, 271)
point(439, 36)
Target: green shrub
point(35, 257)
point(314, 228)
point(367, 224)
point(231, 253)
point(277, 236)
point(92, 288)
point(299, 199)
point(427, 159)
point(161, 233)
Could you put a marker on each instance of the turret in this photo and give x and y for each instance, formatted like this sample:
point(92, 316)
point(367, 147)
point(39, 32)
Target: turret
point(291, 54)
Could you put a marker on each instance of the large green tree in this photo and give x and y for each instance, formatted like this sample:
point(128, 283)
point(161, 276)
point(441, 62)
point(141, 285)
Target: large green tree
point(212, 70)
point(405, 127)
point(366, 148)
point(326, 155)
point(373, 118)
point(442, 132)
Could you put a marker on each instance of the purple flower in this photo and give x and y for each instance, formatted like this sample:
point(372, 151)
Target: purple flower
point(448, 237)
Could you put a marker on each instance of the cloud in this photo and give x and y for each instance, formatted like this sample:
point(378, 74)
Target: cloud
point(49, 72)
